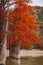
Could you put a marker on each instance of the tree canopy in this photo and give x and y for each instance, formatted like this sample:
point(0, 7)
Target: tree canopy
point(22, 24)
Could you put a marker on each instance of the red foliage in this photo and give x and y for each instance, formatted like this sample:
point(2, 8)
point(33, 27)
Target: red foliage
point(21, 24)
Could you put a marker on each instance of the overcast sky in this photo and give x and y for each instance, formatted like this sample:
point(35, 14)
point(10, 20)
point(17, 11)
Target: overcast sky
point(34, 3)
point(37, 2)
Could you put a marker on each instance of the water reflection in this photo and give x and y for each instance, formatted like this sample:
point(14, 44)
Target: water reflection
point(25, 61)
point(13, 61)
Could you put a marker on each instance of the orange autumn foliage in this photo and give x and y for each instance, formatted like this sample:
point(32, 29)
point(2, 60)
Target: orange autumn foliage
point(22, 24)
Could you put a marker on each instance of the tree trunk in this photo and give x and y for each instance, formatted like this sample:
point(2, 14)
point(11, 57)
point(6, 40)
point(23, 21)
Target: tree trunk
point(14, 51)
point(3, 54)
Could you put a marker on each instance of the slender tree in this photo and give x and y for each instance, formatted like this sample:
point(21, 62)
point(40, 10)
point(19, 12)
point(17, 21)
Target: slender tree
point(3, 14)
point(3, 19)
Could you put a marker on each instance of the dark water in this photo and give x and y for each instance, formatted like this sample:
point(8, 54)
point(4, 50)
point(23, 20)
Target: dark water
point(12, 61)
point(25, 61)
point(32, 61)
